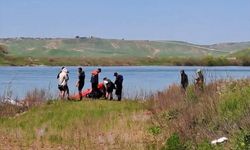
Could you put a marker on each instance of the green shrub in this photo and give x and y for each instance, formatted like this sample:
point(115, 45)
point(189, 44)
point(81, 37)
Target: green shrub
point(191, 94)
point(173, 143)
point(242, 141)
point(155, 130)
point(170, 115)
point(235, 103)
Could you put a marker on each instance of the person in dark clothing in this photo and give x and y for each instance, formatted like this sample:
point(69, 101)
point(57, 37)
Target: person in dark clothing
point(94, 81)
point(109, 87)
point(81, 81)
point(118, 83)
point(184, 79)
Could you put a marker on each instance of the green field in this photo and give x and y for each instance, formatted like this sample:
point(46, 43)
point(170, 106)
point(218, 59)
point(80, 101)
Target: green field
point(85, 125)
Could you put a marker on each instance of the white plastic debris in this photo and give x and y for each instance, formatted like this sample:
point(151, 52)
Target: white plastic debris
point(220, 140)
point(11, 101)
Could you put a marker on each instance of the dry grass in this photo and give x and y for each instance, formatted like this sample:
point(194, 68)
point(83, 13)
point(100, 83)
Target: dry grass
point(200, 115)
point(10, 107)
point(36, 97)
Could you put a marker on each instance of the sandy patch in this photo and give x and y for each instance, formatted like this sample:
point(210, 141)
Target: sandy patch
point(114, 45)
point(54, 44)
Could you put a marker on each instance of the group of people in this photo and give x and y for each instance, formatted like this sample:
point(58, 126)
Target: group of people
point(199, 80)
point(103, 89)
point(106, 87)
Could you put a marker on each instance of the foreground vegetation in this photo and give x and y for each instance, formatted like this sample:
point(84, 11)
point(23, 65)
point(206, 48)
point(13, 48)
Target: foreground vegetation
point(193, 119)
point(172, 119)
point(85, 125)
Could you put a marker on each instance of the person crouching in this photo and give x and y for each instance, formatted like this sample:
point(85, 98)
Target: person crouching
point(109, 87)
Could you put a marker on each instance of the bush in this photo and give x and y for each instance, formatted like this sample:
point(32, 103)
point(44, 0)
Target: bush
point(242, 141)
point(36, 97)
point(235, 103)
point(191, 94)
point(173, 143)
point(155, 130)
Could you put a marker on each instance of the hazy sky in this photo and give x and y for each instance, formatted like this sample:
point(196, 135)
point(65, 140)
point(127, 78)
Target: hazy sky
point(197, 21)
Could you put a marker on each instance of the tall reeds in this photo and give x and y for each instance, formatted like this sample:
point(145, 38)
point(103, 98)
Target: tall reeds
point(197, 115)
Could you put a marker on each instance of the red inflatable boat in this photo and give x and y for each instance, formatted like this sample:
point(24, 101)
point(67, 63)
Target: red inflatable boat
point(86, 92)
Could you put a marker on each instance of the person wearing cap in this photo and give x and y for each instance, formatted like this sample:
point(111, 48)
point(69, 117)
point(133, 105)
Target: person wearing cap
point(184, 80)
point(95, 80)
point(109, 87)
point(199, 81)
point(118, 85)
point(81, 81)
point(60, 72)
point(63, 78)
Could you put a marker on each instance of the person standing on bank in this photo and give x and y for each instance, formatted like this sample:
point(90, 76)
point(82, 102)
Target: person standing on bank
point(199, 81)
point(63, 78)
point(118, 85)
point(95, 80)
point(184, 80)
point(81, 81)
point(60, 72)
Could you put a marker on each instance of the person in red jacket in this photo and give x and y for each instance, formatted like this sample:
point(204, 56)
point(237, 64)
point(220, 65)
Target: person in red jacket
point(94, 82)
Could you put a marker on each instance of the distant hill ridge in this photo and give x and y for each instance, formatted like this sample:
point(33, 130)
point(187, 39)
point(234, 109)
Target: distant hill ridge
point(98, 47)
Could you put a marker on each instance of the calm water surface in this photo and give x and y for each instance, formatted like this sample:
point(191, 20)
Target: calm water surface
point(137, 80)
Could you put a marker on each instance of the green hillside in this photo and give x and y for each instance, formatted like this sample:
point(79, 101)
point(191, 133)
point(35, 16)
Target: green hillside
point(96, 47)
point(242, 53)
point(97, 51)
point(231, 47)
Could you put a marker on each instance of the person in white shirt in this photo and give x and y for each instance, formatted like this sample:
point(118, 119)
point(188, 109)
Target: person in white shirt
point(63, 78)
point(109, 87)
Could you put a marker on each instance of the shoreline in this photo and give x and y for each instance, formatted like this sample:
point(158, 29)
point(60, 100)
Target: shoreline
point(110, 61)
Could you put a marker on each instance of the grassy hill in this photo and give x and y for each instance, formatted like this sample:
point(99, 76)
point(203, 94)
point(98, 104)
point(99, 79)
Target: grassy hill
point(97, 51)
point(231, 47)
point(241, 53)
point(96, 47)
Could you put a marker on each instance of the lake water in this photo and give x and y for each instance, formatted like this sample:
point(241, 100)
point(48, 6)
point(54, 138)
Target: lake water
point(138, 81)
